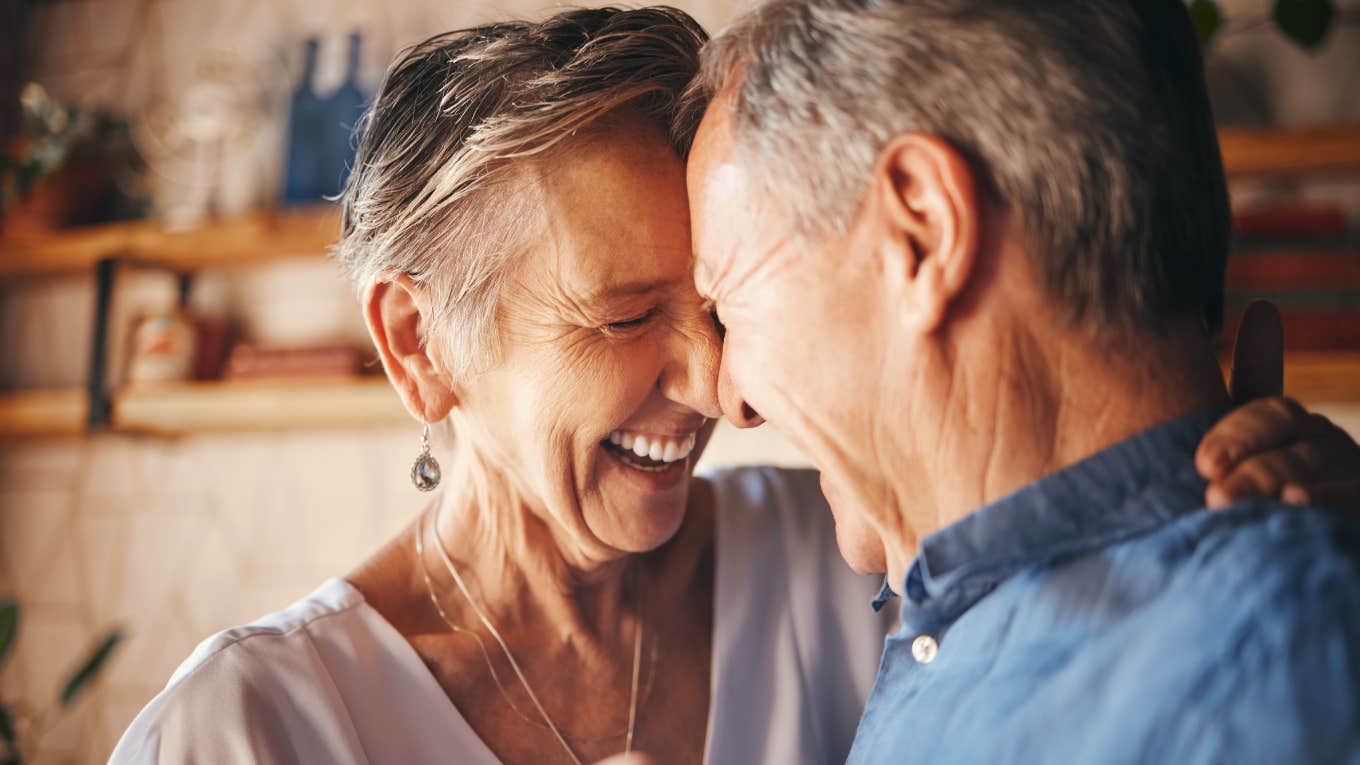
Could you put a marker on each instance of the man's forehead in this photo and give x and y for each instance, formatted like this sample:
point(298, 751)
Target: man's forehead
point(714, 180)
point(712, 142)
point(716, 204)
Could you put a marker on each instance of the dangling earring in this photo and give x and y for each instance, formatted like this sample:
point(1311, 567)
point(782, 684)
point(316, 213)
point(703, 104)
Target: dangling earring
point(425, 471)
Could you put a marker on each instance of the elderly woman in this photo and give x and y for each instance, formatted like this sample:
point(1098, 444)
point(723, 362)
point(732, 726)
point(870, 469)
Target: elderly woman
point(516, 224)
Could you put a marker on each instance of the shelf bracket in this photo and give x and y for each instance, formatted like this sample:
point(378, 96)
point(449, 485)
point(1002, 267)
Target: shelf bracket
point(97, 385)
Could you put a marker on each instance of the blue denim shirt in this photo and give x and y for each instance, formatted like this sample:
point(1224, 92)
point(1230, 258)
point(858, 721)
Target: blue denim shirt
point(1102, 615)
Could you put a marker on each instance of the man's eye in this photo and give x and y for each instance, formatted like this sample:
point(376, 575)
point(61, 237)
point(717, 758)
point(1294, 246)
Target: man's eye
point(624, 326)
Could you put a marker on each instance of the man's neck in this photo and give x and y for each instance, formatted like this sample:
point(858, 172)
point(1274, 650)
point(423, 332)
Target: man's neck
point(1034, 406)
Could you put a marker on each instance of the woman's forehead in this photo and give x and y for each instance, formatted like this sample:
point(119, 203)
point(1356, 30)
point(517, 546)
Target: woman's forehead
point(616, 220)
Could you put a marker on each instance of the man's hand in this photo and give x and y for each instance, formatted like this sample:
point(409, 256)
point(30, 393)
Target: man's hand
point(1272, 447)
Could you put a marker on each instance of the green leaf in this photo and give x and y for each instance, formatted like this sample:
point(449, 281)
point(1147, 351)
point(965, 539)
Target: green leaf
point(1207, 18)
point(90, 668)
point(9, 625)
point(6, 727)
point(1306, 21)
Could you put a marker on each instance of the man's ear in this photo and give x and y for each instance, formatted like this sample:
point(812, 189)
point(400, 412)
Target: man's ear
point(925, 197)
point(395, 310)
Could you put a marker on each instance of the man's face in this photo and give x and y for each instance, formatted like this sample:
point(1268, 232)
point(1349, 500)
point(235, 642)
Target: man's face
point(804, 333)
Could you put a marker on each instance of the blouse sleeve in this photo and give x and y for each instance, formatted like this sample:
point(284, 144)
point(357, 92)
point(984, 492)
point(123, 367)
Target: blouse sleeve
point(251, 699)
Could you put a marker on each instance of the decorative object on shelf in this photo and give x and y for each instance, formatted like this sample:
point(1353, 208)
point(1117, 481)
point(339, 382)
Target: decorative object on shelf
point(69, 166)
point(203, 142)
point(319, 148)
point(22, 727)
point(162, 349)
point(425, 472)
point(319, 362)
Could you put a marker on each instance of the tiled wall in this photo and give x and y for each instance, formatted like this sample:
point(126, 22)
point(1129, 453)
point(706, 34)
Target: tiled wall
point(173, 540)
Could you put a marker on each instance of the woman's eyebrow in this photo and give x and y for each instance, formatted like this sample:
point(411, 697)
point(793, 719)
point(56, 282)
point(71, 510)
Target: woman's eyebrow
point(629, 289)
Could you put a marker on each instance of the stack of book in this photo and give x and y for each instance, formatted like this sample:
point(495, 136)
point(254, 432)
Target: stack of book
point(1306, 260)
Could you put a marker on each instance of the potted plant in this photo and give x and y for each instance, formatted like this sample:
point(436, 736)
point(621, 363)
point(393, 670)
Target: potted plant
point(60, 170)
point(1306, 22)
point(23, 726)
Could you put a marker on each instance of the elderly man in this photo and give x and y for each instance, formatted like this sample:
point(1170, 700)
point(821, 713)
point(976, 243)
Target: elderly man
point(969, 255)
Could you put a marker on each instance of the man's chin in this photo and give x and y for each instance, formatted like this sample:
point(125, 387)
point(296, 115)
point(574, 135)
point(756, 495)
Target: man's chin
point(863, 562)
point(859, 545)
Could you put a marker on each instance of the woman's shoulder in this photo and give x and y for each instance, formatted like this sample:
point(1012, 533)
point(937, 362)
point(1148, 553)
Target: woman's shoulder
point(274, 636)
point(791, 615)
point(252, 684)
point(768, 515)
point(763, 488)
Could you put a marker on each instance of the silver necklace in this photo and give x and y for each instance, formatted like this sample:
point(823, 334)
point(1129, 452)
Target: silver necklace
point(519, 673)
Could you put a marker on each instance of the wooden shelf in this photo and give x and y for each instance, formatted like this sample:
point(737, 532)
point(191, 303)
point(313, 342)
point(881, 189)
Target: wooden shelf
point(1314, 150)
point(1318, 377)
point(208, 407)
point(1247, 153)
point(43, 413)
point(1322, 377)
point(268, 235)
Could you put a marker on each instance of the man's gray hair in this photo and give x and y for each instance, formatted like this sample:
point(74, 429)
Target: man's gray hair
point(436, 191)
point(1087, 119)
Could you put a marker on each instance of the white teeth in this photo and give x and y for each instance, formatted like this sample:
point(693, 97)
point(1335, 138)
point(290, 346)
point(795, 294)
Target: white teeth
point(658, 448)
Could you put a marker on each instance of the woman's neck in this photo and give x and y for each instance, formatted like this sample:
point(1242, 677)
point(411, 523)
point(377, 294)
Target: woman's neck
point(519, 569)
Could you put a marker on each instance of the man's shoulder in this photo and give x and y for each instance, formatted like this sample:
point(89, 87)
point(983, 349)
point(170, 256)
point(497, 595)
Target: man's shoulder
point(1224, 636)
point(1271, 549)
point(1257, 622)
point(1243, 594)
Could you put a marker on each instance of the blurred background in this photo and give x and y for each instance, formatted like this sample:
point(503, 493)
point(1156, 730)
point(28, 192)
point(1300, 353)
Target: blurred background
point(193, 429)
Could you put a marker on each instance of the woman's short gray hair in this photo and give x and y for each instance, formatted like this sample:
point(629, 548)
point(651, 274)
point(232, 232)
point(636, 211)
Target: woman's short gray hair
point(433, 192)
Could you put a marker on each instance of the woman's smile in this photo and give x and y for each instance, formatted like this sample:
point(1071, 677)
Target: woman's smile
point(652, 461)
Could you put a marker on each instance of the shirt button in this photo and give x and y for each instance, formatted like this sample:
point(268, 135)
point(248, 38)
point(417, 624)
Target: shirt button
point(924, 648)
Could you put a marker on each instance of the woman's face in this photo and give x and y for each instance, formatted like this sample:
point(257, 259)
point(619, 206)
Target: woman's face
point(607, 350)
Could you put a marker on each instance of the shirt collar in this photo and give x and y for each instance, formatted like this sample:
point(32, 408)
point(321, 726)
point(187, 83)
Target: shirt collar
point(1137, 483)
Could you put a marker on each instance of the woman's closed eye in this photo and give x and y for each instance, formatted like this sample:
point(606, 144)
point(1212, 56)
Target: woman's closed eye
point(631, 324)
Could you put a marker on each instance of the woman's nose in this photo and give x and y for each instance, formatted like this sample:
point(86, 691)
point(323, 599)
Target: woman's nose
point(690, 376)
point(734, 407)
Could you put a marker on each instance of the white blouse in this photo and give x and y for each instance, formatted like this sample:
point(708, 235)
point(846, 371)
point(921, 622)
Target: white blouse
point(328, 680)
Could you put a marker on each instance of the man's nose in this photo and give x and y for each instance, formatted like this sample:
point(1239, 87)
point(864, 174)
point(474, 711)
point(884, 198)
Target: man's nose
point(734, 407)
point(690, 376)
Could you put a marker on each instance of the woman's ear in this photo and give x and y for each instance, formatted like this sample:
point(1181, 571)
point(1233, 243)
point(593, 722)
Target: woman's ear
point(924, 195)
point(395, 309)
